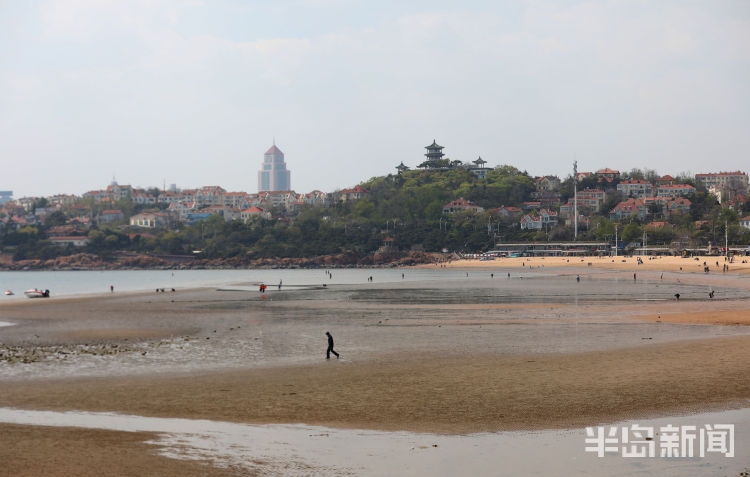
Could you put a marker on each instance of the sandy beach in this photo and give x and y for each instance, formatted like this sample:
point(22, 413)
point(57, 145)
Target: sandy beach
point(446, 357)
point(654, 263)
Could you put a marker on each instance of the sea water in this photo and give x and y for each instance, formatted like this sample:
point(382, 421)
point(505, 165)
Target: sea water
point(65, 283)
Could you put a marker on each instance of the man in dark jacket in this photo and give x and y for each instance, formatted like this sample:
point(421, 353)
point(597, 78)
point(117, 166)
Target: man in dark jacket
point(330, 347)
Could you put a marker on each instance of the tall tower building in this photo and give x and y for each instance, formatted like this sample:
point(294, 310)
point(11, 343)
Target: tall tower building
point(274, 175)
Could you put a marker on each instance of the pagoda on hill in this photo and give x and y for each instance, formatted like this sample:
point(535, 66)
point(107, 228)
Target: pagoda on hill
point(434, 157)
point(434, 152)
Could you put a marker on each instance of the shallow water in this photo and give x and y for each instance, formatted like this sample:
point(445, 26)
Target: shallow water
point(305, 450)
point(65, 283)
point(239, 329)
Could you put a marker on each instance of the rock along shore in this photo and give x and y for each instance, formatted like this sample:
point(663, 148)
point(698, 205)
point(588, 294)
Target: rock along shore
point(131, 261)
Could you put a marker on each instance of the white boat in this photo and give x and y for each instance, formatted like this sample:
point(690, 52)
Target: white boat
point(34, 293)
point(8, 292)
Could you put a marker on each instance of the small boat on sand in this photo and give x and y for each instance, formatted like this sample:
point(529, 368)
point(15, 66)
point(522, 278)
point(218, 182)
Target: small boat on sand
point(34, 293)
point(8, 292)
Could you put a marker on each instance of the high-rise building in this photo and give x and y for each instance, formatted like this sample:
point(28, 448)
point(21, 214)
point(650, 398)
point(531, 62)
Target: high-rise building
point(6, 195)
point(274, 176)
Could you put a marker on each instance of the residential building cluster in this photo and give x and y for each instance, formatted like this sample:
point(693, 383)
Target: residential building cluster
point(171, 207)
point(601, 193)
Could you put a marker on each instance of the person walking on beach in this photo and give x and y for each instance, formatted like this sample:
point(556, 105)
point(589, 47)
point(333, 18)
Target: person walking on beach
point(111, 288)
point(330, 347)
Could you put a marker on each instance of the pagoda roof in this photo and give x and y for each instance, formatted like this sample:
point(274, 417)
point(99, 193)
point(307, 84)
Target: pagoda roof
point(434, 145)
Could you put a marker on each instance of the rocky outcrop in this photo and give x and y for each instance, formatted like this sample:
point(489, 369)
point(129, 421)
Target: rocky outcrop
point(129, 261)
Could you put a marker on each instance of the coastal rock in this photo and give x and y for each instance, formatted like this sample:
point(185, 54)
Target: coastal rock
point(131, 260)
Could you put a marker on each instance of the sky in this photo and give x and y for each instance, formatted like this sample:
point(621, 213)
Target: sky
point(193, 93)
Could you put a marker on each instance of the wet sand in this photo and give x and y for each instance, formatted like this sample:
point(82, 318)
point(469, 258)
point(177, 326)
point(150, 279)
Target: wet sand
point(31, 451)
point(428, 393)
point(452, 359)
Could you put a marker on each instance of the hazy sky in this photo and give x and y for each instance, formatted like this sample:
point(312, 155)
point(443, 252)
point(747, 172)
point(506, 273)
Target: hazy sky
point(194, 92)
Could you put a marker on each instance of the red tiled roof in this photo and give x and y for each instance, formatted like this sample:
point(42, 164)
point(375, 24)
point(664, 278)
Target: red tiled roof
point(738, 173)
point(461, 202)
point(677, 186)
point(355, 190)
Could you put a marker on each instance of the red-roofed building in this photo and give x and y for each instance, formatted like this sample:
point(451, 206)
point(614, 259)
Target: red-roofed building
point(736, 181)
point(547, 184)
point(665, 180)
point(355, 193)
point(111, 216)
point(143, 198)
point(235, 199)
point(508, 211)
point(675, 190)
point(593, 198)
point(635, 188)
point(254, 211)
point(209, 195)
point(627, 208)
point(461, 205)
point(608, 173)
point(678, 205)
point(545, 217)
point(149, 220)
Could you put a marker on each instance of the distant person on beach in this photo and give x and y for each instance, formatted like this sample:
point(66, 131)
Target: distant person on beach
point(578, 278)
point(677, 296)
point(111, 288)
point(634, 277)
point(330, 347)
point(711, 294)
point(279, 284)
